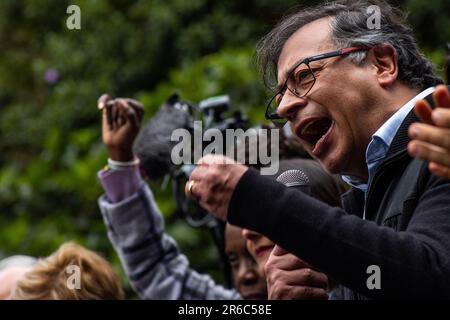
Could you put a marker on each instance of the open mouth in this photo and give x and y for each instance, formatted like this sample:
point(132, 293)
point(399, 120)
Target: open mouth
point(312, 130)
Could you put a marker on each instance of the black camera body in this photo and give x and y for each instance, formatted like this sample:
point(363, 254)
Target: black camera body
point(211, 110)
point(154, 147)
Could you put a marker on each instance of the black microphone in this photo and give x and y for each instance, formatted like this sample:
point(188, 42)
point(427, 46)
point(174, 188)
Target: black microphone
point(295, 178)
point(154, 146)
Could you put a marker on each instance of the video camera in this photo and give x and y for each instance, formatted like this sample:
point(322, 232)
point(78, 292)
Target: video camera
point(212, 110)
point(154, 146)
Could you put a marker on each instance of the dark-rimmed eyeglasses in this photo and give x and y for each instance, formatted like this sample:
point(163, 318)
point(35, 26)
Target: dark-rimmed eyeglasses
point(300, 80)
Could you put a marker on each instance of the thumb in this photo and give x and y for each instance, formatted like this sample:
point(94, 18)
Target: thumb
point(102, 101)
point(279, 251)
point(103, 106)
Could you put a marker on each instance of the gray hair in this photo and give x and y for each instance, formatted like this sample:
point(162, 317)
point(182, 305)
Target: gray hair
point(17, 261)
point(349, 29)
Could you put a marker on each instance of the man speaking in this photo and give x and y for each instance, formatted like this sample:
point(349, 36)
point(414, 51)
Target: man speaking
point(348, 90)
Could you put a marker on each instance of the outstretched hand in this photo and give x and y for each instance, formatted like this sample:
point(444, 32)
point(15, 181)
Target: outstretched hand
point(430, 140)
point(290, 278)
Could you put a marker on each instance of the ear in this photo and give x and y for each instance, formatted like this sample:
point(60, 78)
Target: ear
point(384, 60)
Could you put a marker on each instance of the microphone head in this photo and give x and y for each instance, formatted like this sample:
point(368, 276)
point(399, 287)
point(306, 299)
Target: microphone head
point(154, 146)
point(295, 178)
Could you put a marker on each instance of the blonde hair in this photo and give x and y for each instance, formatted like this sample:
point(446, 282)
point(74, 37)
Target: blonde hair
point(50, 278)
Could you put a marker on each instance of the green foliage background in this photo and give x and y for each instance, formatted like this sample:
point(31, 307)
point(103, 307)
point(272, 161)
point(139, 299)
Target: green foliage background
point(50, 146)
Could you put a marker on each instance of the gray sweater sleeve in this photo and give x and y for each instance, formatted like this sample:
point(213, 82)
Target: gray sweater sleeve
point(151, 258)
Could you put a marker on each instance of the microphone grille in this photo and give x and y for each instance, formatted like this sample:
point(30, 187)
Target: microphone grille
point(293, 178)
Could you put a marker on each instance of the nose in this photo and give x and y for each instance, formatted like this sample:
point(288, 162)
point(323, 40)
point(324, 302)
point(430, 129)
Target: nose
point(248, 275)
point(290, 105)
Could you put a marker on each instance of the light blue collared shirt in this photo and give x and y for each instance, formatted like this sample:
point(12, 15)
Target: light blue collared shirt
point(382, 140)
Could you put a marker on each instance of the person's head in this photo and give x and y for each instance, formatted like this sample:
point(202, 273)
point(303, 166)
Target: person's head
point(11, 270)
point(247, 280)
point(70, 273)
point(336, 104)
point(323, 186)
point(259, 247)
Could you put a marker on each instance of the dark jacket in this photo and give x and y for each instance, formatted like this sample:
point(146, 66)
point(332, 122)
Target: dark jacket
point(406, 232)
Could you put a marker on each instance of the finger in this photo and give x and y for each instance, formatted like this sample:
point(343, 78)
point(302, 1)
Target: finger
point(423, 111)
point(429, 152)
point(199, 177)
point(215, 159)
point(127, 114)
point(131, 113)
point(208, 159)
point(105, 123)
point(102, 101)
point(196, 191)
point(109, 114)
point(310, 293)
point(137, 106)
point(432, 134)
point(441, 97)
point(120, 116)
point(133, 118)
point(306, 277)
point(441, 117)
point(199, 173)
point(285, 262)
point(193, 190)
point(102, 105)
point(299, 293)
point(439, 170)
point(116, 113)
point(189, 189)
point(279, 251)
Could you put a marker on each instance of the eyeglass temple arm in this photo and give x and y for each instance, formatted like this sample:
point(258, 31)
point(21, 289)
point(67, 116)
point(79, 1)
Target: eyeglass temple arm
point(342, 52)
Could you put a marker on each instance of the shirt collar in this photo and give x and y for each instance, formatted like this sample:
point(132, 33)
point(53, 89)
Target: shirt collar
point(388, 130)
